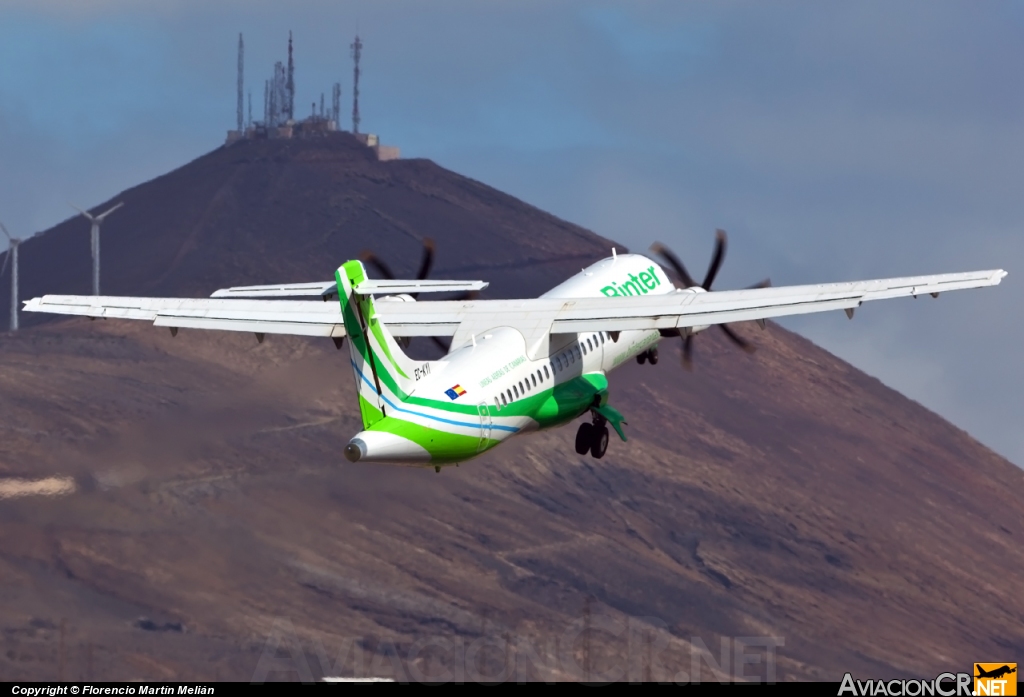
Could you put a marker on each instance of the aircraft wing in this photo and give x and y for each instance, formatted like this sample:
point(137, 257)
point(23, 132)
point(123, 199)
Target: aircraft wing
point(537, 318)
point(303, 318)
point(681, 309)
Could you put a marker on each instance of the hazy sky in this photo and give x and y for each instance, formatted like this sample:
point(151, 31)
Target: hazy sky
point(834, 141)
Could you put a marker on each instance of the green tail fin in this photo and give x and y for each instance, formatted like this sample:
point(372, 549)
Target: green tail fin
point(382, 370)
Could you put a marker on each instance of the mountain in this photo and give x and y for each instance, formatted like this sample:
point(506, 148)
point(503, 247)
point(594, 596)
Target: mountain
point(201, 522)
point(292, 210)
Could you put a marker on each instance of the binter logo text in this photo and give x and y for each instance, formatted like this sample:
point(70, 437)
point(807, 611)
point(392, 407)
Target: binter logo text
point(636, 284)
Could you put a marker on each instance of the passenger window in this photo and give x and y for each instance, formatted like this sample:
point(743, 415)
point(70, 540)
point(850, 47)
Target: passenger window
point(584, 347)
point(546, 374)
point(497, 403)
point(534, 378)
point(509, 393)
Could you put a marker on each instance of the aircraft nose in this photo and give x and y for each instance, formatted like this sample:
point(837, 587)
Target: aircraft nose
point(380, 446)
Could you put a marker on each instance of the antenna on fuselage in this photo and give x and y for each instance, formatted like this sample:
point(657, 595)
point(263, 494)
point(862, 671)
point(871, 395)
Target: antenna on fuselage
point(615, 255)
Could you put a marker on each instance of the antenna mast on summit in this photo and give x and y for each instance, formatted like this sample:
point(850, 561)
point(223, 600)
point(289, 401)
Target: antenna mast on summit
point(357, 50)
point(241, 79)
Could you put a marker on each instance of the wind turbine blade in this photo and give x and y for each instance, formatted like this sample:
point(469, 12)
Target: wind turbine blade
point(7, 258)
point(85, 213)
point(9, 238)
point(101, 216)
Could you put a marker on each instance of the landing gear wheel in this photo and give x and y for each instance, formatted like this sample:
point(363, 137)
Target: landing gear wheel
point(652, 356)
point(584, 438)
point(641, 357)
point(599, 444)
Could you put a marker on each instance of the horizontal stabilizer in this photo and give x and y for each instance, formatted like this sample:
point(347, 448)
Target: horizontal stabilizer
point(374, 286)
point(368, 287)
point(280, 290)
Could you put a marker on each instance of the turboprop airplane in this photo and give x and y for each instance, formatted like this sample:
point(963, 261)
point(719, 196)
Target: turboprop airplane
point(512, 366)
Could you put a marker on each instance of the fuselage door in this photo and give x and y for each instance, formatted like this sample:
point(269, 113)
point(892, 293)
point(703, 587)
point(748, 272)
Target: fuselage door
point(485, 426)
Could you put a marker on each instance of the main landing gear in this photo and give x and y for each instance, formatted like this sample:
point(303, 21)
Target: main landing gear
point(593, 437)
point(650, 356)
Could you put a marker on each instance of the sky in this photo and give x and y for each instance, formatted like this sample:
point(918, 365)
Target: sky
point(833, 141)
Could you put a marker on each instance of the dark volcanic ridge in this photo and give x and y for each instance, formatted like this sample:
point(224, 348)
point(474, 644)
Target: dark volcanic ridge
point(198, 504)
point(288, 211)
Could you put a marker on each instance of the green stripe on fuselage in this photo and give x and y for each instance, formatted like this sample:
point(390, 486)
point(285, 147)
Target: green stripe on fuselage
point(547, 408)
point(444, 447)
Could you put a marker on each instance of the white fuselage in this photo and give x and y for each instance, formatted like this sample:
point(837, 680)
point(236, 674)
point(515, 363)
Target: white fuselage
point(495, 369)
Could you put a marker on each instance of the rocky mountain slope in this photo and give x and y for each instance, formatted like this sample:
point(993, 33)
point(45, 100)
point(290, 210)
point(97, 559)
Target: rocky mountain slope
point(193, 518)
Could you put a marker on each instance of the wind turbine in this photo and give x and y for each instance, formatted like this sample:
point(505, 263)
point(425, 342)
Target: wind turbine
point(12, 251)
point(95, 242)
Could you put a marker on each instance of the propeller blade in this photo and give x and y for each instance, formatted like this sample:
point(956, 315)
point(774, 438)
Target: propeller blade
point(673, 261)
point(374, 261)
point(736, 338)
point(766, 283)
point(428, 259)
point(688, 352)
point(716, 260)
point(440, 344)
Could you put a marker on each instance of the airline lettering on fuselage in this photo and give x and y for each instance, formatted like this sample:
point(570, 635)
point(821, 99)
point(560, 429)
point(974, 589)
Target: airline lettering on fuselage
point(636, 285)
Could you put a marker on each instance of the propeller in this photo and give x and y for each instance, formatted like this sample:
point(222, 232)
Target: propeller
point(384, 270)
point(426, 264)
point(709, 278)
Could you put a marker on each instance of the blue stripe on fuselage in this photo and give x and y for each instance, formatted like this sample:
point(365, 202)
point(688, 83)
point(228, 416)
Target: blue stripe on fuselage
point(511, 429)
